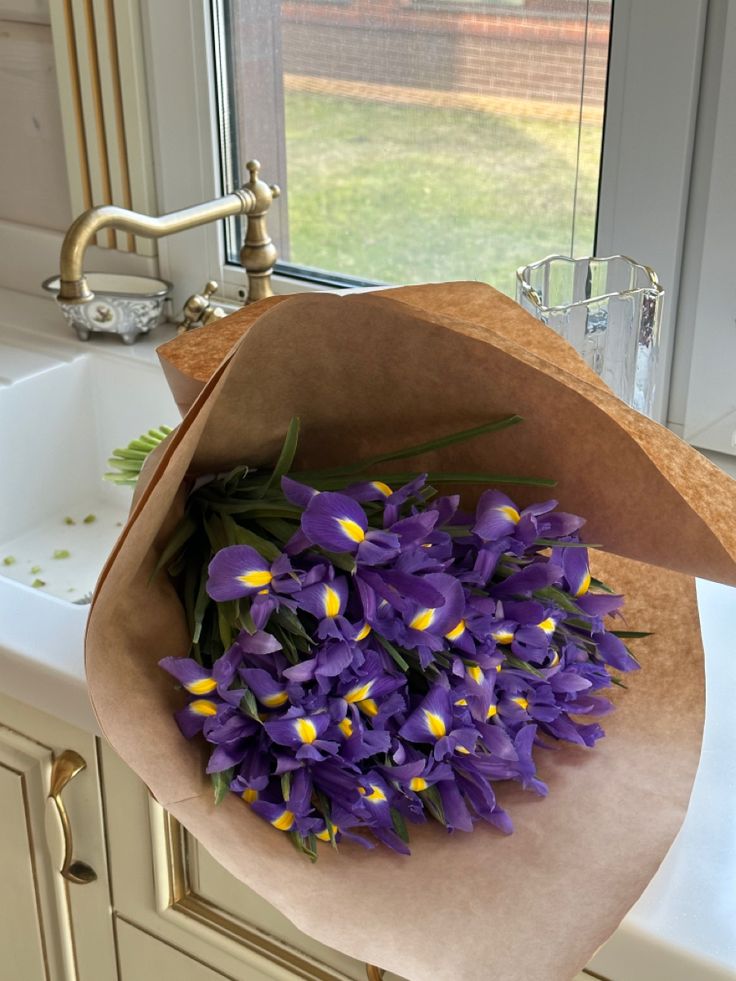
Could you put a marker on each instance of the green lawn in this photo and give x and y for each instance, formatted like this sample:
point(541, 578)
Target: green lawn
point(407, 194)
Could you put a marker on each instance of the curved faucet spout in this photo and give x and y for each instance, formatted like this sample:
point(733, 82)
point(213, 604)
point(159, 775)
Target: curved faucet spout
point(254, 199)
point(74, 286)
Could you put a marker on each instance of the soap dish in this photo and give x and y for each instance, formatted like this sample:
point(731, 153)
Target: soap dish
point(122, 304)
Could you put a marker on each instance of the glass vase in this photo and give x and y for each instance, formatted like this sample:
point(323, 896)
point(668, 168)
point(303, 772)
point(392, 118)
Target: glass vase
point(609, 309)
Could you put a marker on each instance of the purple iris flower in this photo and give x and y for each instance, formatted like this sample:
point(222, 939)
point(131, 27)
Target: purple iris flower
point(303, 734)
point(412, 683)
point(497, 517)
point(339, 524)
point(295, 813)
point(240, 571)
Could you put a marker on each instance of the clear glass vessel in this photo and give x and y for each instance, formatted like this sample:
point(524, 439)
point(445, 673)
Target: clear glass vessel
point(609, 309)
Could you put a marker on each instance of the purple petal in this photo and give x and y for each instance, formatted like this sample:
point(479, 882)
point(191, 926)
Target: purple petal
point(334, 522)
point(236, 571)
point(296, 493)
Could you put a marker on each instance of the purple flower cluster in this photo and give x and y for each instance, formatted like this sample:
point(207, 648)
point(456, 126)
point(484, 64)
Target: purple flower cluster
point(397, 658)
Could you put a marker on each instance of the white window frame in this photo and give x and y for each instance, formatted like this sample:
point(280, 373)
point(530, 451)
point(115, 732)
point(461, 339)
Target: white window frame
point(654, 83)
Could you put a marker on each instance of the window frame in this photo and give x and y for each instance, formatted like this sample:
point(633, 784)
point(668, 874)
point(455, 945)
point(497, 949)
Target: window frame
point(644, 186)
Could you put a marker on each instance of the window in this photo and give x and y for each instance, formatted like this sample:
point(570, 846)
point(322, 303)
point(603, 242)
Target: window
point(416, 140)
point(651, 105)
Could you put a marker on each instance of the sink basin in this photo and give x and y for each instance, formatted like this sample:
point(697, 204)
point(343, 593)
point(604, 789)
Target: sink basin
point(59, 422)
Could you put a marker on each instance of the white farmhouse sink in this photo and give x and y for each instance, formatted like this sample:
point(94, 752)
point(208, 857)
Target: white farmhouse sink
point(59, 422)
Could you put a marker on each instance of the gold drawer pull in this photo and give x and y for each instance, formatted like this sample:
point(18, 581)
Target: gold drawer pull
point(374, 973)
point(64, 769)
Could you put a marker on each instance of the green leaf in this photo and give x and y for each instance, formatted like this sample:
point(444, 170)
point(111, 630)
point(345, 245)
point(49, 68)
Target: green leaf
point(435, 444)
point(601, 585)
point(279, 528)
point(631, 633)
point(516, 662)
point(433, 802)
point(558, 597)
point(342, 560)
point(239, 535)
point(397, 819)
point(304, 846)
point(617, 681)
point(291, 622)
point(200, 607)
point(246, 618)
point(393, 653)
point(286, 785)
point(225, 617)
point(221, 784)
point(286, 457)
point(249, 705)
point(184, 531)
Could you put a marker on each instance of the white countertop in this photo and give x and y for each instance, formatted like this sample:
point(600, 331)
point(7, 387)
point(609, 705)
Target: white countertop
point(684, 926)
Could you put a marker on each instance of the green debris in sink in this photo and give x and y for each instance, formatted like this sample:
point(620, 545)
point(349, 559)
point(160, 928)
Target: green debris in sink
point(61, 553)
point(89, 519)
point(38, 583)
point(9, 560)
point(35, 569)
point(69, 521)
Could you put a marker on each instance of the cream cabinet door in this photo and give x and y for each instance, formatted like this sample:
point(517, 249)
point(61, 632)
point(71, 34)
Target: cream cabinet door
point(51, 928)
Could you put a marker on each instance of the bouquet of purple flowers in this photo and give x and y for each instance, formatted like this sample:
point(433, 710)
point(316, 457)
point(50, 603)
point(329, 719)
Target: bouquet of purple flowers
point(367, 655)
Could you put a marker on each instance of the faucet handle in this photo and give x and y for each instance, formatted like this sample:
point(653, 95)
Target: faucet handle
point(198, 310)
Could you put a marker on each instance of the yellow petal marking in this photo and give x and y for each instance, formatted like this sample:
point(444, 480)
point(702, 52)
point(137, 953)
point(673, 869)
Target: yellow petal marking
point(461, 701)
point(202, 686)
point(368, 707)
point(498, 667)
point(331, 601)
point(273, 701)
point(475, 674)
point(422, 620)
point(352, 529)
point(249, 795)
point(555, 660)
point(492, 710)
point(502, 636)
point(457, 631)
point(375, 796)
point(359, 693)
point(521, 702)
point(548, 625)
point(203, 706)
point(256, 578)
point(284, 822)
point(363, 632)
point(346, 727)
point(511, 513)
point(418, 783)
point(383, 488)
point(306, 730)
point(584, 585)
point(463, 750)
point(325, 835)
point(435, 724)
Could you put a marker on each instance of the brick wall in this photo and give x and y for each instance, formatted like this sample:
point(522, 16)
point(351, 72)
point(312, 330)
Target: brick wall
point(525, 52)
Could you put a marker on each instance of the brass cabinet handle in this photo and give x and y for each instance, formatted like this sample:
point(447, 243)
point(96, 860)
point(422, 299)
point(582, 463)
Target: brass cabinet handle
point(374, 973)
point(64, 769)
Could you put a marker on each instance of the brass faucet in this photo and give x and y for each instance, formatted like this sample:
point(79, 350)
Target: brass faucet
point(258, 254)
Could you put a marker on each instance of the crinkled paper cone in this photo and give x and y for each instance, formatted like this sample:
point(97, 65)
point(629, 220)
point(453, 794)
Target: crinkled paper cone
point(372, 372)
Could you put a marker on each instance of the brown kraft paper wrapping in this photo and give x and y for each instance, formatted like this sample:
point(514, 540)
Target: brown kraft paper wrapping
point(372, 372)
